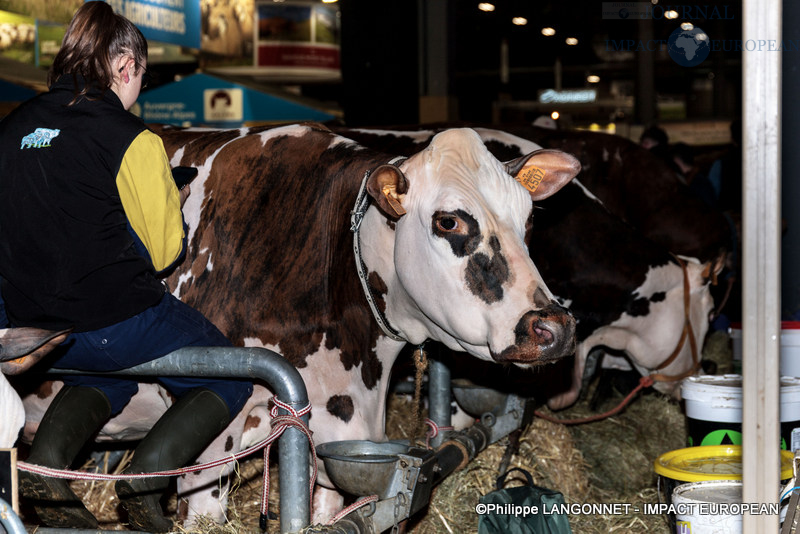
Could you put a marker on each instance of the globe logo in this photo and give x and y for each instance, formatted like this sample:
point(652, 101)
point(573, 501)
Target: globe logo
point(623, 13)
point(688, 48)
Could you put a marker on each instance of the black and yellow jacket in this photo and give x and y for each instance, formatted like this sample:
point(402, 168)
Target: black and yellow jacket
point(74, 179)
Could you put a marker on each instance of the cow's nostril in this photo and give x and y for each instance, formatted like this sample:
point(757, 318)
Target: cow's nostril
point(542, 333)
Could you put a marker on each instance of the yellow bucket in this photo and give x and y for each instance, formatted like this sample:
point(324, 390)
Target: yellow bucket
point(710, 462)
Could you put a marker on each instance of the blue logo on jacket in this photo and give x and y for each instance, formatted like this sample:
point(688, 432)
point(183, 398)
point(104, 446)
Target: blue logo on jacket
point(40, 138)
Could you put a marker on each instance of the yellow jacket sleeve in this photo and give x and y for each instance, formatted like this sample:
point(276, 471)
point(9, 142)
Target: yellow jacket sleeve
point(151, 200)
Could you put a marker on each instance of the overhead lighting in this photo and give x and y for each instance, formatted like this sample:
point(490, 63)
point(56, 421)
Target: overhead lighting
point(686, 26)
point(486, 6)
point(572, 41)
point(593, 78)
point(519, 21)
point(555, 115)
point(548, 32)
point(329, 1)
point(671, 14)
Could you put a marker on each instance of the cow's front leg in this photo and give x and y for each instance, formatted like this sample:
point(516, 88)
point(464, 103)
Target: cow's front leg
point(327, 503)
point(205, 493)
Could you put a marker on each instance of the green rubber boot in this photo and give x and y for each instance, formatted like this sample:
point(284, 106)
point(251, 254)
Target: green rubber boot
point(181, 434)
point(73, 417)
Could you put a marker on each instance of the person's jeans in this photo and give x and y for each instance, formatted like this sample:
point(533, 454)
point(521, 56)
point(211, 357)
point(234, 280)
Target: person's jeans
point(155, 332)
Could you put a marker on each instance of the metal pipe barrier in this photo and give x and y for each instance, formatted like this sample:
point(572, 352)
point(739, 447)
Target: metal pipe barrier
point(287, 385)
point(9, 521)
point(439, 407)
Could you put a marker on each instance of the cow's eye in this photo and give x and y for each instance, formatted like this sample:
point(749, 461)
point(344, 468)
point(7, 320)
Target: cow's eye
point(447, 224)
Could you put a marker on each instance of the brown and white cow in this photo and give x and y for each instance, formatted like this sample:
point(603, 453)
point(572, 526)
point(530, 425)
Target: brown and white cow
point(271, 263)
point(625, 291)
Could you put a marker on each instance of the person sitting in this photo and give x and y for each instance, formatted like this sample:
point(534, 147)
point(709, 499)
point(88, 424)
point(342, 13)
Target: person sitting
point(79, 174)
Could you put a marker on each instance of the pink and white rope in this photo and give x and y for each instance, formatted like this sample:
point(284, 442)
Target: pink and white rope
point(279, 423)
point(434, 431)
point(355, 506)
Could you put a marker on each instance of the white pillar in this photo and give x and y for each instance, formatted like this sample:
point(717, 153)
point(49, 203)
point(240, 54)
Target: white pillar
point(761, 81)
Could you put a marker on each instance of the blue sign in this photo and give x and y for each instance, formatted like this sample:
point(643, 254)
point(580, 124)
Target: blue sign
point(201, 99)
point(168, 21)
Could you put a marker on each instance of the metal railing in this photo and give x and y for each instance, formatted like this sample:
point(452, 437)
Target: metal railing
point(284, 381)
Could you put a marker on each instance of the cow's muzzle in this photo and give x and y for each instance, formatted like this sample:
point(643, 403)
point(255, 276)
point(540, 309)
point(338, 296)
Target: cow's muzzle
point(541, 336)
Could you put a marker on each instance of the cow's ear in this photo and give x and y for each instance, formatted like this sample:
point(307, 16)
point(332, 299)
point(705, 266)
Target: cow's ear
point(712, 268)
point(544, 172)
point(388, 185)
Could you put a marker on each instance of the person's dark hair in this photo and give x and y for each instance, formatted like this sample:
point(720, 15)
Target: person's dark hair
point(656, 134)
point(96, 36)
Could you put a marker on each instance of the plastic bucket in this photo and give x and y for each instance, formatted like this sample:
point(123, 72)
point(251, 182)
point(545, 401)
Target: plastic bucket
point(790, 347)
point(708, 507)
point(704, 464)
point(714, 410)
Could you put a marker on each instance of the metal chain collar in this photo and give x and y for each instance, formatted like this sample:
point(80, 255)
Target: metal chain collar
point(356, 217)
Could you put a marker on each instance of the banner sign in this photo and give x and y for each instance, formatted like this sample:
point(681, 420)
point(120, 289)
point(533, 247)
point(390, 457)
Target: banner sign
point(298, 36)
point(201, 99)
point(169, 21)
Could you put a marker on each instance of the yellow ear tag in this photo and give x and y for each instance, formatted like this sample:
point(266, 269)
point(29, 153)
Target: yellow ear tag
point(531, 177)
point(393, 199)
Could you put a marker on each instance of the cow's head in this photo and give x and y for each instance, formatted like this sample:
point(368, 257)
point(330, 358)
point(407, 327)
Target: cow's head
point(463, 273)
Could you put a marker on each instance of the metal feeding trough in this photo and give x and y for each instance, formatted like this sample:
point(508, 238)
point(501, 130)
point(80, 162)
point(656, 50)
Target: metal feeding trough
point(477, 400)
point(362, 467)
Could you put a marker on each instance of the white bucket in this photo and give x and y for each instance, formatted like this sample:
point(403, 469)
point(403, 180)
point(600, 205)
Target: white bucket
point(714, 410)
point(790, 347)
point(708, 507)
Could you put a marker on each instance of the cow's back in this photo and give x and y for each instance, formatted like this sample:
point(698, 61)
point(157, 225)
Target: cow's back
point(641, 188)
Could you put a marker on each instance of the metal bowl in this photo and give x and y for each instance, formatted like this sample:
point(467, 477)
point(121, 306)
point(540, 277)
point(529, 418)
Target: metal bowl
point(476, 400)
point(362, 467)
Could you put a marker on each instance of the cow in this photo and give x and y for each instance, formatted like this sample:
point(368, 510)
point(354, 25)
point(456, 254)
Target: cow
point(275, 253)
point(643, 190)
point(625, 291)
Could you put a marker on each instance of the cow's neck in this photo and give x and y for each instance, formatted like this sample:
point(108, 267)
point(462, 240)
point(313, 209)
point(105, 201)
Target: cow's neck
point(357, 215)
point(377, 250)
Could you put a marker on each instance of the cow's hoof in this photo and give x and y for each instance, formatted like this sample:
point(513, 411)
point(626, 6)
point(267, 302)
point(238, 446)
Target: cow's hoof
point(143, 507)
point(55, 503)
